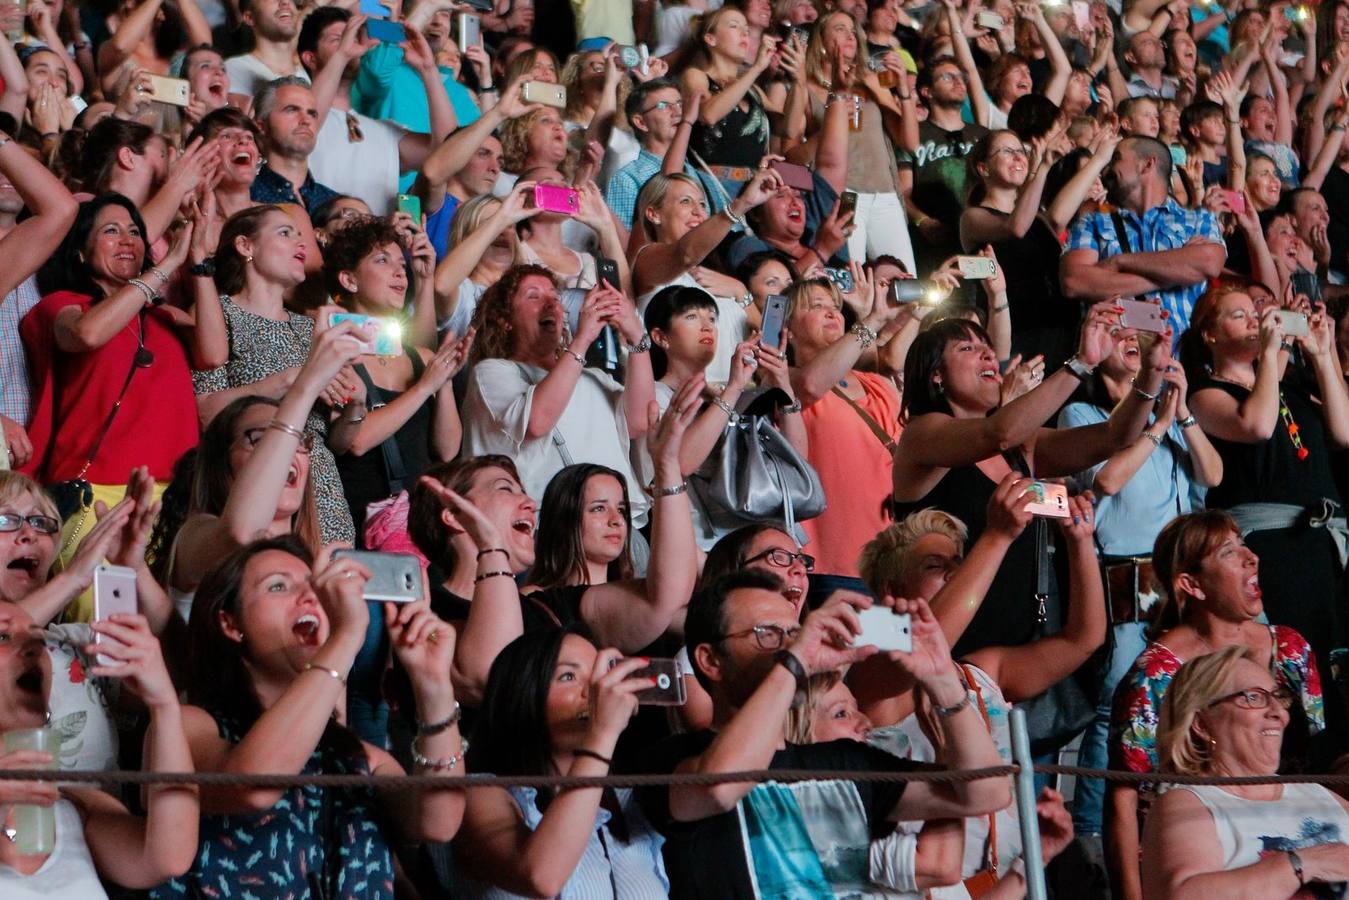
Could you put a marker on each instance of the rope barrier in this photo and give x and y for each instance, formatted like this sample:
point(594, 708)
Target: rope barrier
point(785, 776)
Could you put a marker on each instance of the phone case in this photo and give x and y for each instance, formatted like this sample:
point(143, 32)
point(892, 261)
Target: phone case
point(470, 31)
point(556, 198)
point(114, 592)
point(1082, 15)
point(1295, 324)
point(976, 268)
point(842, 278)
point(394, 577)
point(774, 314)
point(991, 21)
point(374, 9)
point(388, 338)
point(847, 203)
point(669, 689)
point(412, 205)
point(385, 32)
point(1143, 316)
point(606, 270)
point(1047, 499)
point(885, 629)
point(795, 176)
point(554, 95)
point(169, 90)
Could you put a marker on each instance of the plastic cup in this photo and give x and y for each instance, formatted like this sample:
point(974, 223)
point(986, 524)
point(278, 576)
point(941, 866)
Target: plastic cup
point(35, 826)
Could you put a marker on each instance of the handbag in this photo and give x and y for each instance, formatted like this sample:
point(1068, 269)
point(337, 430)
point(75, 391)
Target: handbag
point(755, 476)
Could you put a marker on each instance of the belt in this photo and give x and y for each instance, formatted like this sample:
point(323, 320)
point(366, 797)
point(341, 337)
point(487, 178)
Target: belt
point(733, 173)
point(1125, 579)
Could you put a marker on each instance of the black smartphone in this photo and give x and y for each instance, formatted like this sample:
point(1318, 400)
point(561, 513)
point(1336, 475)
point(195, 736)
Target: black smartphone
point(847, 204)
point(606, 272)
point(1306, 283)
point(774, 315)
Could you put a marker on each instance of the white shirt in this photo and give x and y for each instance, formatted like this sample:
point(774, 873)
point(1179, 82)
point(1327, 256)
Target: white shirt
point(368, 168)
point(67, 874)
point(80, 704)
point(248, 73)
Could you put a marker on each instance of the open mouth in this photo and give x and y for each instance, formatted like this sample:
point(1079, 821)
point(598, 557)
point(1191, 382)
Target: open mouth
point(1272, 732)
point(300, 257)
point(1253, 587)
point(990, 375)
point(242, 158)
point(30, 680)
point(292, 476)
point(306, 628)
point(25, 564)
point(793, 592)
point(795, 214)
point(523, 526)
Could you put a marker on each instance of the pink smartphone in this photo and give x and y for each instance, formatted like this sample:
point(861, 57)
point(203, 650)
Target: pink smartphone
point(1236, 201)
point(114, 592)
point(1047, 499)
point(794, 176)
point(556, 198)
point(1143, 316)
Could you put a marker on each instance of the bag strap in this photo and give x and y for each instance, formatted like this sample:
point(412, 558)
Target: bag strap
point(1120, 234)
point(112, 414)
point(547, 610)
point(887, 442)
point(992, 856)
point(1040, 531)
point(394, 469)
point(558, 440)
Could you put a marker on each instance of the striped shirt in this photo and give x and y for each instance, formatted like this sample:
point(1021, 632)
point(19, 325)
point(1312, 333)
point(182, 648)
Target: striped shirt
point(16, 393)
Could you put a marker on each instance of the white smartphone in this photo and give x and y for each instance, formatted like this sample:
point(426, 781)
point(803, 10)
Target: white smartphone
point(976, 268)
point(394, 577)
point(1295, 324)
point(114, 593)
point(885, 629)
point(470, 31)
point(1143, 316)
point(1047, 499)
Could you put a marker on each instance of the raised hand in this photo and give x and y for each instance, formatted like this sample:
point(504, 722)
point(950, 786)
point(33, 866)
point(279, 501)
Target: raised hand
point(1097, 340)
point(340, 587)
point(929, 663)
point(1081, 524)
point(422, 642)
point(138, 661)
point(613, 695)
point(448, 359)
point(827, 634)
point(464, 517)
point(665, 433)
point(1022, 377)
point(1007, 514)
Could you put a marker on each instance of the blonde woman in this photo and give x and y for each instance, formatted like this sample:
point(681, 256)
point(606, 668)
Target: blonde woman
point(1225, 715)
point(482, 235)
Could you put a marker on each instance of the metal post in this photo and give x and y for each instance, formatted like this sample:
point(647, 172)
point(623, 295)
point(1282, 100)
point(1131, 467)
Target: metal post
point(1025, 808)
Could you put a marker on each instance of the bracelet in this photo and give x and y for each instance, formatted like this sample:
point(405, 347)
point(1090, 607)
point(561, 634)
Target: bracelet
point(163, 279)
point(866, 336)
point(354, 420)
point(921, 220)
point(482, 553)
point(1001, 307)
point(591, 754)
point(744, 301)
point(1080, 370)
point(573, 354)
point(794, 407)
point(438, 765)
point(337, 676)
point(486, 575)
point(726, 408)
point(1338, 126)
point(1157, 441)
point(947, 712)
point(738, 221)
point(641, 346)
point(429, 728)
point(1151, 398)
point(1296, 862)
point(1188, 422)
point(145, 289)
point(674, 491)
point(278, 425)
point(787, 659)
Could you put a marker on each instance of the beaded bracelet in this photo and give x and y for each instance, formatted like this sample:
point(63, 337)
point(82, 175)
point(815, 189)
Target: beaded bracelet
point(438, 765)
point(573, 354)
point(482, 553)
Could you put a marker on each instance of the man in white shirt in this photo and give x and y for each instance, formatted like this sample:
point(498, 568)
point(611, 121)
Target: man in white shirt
point(275, 25)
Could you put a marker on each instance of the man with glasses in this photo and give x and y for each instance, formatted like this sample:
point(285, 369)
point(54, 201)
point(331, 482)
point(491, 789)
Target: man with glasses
point(655, 112)
point(807, 838)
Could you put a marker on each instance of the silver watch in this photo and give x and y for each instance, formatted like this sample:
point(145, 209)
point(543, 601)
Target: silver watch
point(641, 346)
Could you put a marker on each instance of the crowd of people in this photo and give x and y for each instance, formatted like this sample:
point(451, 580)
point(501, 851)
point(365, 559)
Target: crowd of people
point(754, 384)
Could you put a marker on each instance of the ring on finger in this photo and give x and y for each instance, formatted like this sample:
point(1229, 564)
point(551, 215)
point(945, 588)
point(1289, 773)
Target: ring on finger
point(434, 636)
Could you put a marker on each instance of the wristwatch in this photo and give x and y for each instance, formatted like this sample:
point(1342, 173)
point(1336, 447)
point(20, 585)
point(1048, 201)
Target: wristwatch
point(641, 346)
point(1081, 371)
point(205, 268)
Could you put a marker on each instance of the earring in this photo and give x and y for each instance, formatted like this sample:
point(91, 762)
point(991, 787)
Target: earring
point(248, 259)
point(941, 389)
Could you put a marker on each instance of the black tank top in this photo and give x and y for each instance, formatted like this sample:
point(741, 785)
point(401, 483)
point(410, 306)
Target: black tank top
point(739, 139)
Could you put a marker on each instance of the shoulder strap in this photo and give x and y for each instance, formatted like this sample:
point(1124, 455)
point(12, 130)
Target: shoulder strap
point(991, 857)
point(1120, 234)
point(112, 413)
point(887, 442)
point(394, 469)
point(558, 441)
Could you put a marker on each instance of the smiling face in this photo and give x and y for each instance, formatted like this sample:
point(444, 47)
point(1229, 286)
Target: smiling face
point(1283, 241)
point(248, 429)
point(379, 283)
point(683, 209)
point(26, 555)
point(837, 717)
point(1007, 162)
point(783, 215)
point(25, 671)
point(1309, 211)
point(691, 336)
point(278, 249)
point(275, 20)
point(280, 624)
point(1015, 83)
point(1234, 331)
point(817, 320)
point(795, 578)
point(240, 156)
point(1125, 360)
point(1246, 741)
point(514, 513)
point(568, 704)
point(207, 78)
point(537, 317)
point(969, 375)
point(604, 519)
point(115, 251)
point(1182, 50)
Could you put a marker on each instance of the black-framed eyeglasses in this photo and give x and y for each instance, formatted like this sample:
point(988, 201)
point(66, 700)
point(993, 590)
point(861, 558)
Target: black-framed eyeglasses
point(43, 524)
point(1258, 698)
point(768, 637)
point(663, 104)
point(784, 558)
point(251, 436)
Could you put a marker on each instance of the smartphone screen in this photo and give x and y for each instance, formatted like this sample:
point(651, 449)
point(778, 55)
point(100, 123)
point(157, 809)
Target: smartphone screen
point(385, 32)
point(388, 339)
point(774, 314)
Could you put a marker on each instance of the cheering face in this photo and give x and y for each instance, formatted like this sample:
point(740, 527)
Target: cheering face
point(547, 138)
point(281, 624)
point(1247, 737)
point(240, 157)
point(278, 249)
point(248, 430)
point(537, 317)
point(568, 704)
point(1262, 183)
point(604, 519)
point(775, 551)
point(682, 210)
point(115, 251)
point(514, 513)
point(27, 553)
point(969, 374)
point(207, 78)
point(1228, 582)
point(25, 671)
point(1125, 360)
point(276, 20)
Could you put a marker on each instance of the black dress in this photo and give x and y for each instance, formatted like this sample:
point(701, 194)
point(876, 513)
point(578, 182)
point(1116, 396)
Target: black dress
point(365, 478)
point(1300, 574)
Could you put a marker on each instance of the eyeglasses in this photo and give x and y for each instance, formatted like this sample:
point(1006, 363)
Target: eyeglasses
point(663, 104)
point(1258, 698)
point(251, 436)
point(783, 558)
point(43, 524)
point(768, 637)
point(1023, 152)
point(948, 76)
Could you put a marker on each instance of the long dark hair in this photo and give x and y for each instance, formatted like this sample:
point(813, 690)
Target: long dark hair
point(175, 505)
point(217, 678)
point(67, 269)
point(98, 150)
point(561, 557)
point(921, 395)
point(728, 554)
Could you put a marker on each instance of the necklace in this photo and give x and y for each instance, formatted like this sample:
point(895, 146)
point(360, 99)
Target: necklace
point(144, 356)
point(1290, 425)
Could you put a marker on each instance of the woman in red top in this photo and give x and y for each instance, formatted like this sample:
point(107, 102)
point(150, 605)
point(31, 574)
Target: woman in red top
point(110, 362)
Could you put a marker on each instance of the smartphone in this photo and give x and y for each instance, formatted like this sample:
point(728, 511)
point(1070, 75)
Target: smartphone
point(629, 57)
point(168, 90)
point(1047, 499)
point(1178, 155)
point(412, 205)
point(1082, 15)
point(603, 351)
point(1295, 324)
point(774, 315)
point(114, 592)
point(976, 268)
point(470, 31)
point(842, 278)
point(913, 290)
point(385, 32)
point(1236, 201)
point(1295, 13)
point(794, 176)
point(388, 339)
point(847, 204)
point(669, 689)
point(1307, 284)
point(394, 577)
point(542, 92)
point(884, 629)
point(1143, 316)
point(606, 272)
point(990, 20)
point(557, 198)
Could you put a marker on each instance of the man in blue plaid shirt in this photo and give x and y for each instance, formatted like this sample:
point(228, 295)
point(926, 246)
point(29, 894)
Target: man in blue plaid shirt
point(1166, 252)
